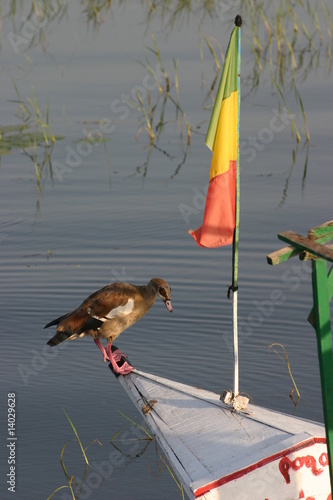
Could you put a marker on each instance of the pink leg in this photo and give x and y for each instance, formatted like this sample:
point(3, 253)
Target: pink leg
point(101, 348)
point(113, 358)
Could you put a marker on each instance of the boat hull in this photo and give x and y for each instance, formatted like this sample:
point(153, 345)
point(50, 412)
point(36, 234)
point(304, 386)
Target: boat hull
point(219, 453)
point(298, 472)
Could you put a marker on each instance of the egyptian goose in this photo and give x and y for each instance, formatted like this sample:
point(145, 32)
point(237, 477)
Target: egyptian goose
point(107, 313)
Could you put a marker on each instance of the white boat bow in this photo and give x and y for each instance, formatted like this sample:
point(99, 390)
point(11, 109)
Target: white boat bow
point(218, 453)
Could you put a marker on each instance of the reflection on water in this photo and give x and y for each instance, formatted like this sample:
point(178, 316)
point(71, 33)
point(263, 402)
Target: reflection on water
point(288, 178)
point(32, 29)
point(113, 205)
point(287, 43)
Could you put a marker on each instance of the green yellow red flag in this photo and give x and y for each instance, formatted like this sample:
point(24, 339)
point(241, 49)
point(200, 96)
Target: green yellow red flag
point(222, 138)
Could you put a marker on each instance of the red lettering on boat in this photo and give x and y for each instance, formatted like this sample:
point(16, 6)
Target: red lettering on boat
point(309, 462)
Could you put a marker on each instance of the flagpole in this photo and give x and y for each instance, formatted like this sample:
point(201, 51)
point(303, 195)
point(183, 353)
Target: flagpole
point(221, 217)
point(238, 23)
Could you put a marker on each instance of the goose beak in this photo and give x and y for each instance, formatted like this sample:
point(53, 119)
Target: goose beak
point(168, 305)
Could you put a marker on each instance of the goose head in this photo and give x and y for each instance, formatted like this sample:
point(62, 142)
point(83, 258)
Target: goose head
point(162, 290)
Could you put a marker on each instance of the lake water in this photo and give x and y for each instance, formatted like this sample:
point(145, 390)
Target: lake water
point(118, 210)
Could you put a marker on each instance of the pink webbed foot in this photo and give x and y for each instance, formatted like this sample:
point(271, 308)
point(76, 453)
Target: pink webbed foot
point(117, 357)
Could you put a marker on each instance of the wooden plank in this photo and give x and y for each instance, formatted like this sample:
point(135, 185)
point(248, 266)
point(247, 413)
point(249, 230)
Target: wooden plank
point(306, 244)
point(282, 255)
point(322, 233)
point(309, 255)
point(287, 253)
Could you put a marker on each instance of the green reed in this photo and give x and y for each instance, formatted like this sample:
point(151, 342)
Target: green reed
point(30, 113)
point(155, 106)
point(286, 360)
point(286, 37)
point(179, 485)
point(290, 44)
point(96, 11)
point(77, 437)
point(40, 15)
point(32, 135)
point(147, 437)
point(212, 51)
point(132, 423)
point(71, 478)
point(176, 12)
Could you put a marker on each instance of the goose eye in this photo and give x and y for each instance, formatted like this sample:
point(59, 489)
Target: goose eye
point(162, 292)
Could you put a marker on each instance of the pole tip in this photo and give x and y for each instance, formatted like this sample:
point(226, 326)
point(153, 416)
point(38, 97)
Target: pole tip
point(238, 21)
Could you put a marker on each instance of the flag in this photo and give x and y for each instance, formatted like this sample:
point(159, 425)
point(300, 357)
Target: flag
point(222, 138)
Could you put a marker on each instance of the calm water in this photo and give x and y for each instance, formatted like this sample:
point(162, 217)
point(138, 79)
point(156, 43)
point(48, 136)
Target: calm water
point(118, 211)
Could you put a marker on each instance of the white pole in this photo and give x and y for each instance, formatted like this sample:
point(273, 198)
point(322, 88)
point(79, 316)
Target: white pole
point(238, 23)
point(235, 325)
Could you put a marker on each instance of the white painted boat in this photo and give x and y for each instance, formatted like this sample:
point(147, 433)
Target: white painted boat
point(220, 453)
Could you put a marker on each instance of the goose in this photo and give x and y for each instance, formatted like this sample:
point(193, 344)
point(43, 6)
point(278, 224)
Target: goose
point(106, 313)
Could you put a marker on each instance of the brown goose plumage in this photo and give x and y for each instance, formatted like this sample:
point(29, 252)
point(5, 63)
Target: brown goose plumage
point(108, 312)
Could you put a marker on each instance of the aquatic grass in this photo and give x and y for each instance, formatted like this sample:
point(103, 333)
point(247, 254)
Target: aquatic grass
point(152, 72)
point(39, 16)
point(294, 129)
point(21, 137)
point(175, 13)
point(305, 169)
point(12, 136)
point(267, 24)
point(62, 488)
point(251, 17)
point(32, 135)
point(159, 59)
point(286, 360)
point(179, 485)
point(278, 50)
point(293, 163)
point(298, 96)
point(48, 8)
point(287, 36)
point(217, 67)
point(132, 422)
point(175, 66)
point(292, 56)
point(327, 18)
point(96, 11)
point(40, 164)
point(147, 438)
point(153, 109)
point(147, 114)
point(212, 51)
point(71, 478)
point(286, 184)
point(29, 113)
point(77, 437)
